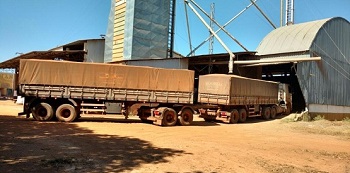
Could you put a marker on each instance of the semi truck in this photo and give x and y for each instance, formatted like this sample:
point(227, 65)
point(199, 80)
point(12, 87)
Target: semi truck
point(65, 90)
point(238, 97)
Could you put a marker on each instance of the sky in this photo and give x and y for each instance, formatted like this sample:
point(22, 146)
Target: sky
point(34, 25)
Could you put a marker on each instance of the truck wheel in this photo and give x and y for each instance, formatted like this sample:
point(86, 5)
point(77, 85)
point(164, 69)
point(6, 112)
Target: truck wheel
point(143, 117)
point(169, 117)
point(273, 112)
point(234, 116)
point(186, 117)
point(66, 113)
point(42, 112)
point(242, 115)
point(266, 112)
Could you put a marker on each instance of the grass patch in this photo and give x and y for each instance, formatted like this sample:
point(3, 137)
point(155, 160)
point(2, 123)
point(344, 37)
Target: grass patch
point(318, 125)
point(287, 120)
point(318, 118)
point(346, 120)
point(324, 127)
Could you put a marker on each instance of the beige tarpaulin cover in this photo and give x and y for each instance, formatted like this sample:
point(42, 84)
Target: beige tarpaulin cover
point(233, 85)
point(64, 73)
point(6, 80)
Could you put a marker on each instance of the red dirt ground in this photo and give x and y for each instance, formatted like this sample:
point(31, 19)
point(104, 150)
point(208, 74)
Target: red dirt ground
point(117, 145)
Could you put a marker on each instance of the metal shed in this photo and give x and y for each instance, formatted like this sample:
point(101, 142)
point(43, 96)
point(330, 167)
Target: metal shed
point(324, 84)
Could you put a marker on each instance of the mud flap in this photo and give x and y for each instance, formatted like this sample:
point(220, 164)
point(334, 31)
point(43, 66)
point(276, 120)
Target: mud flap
point(157, 121)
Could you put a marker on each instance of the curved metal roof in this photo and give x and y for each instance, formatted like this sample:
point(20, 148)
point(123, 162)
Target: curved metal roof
point(292, 38)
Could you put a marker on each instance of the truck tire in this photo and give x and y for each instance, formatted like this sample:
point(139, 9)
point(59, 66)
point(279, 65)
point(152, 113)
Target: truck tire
point(169, 117)
point(234, 116)
point(66, 113)
point(186, 117)
point(242, 115)
point(42, 112)
point(266, 112)
point(273, 112)
point(143, 117)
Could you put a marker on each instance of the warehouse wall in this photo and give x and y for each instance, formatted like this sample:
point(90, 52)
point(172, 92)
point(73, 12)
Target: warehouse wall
point(326, 84)
point(95, 50)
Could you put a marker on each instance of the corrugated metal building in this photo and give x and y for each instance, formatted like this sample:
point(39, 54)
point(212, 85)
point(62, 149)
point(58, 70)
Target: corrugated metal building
point(94, 49)
point(324, 84)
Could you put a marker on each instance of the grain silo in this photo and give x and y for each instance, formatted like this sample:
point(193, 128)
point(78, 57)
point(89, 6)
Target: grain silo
point(139, 29)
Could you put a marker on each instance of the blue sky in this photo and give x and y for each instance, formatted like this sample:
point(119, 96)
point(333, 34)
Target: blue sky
point(29, 25)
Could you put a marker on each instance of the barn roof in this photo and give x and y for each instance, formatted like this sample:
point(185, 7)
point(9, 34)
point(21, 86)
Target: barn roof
point(292, 38)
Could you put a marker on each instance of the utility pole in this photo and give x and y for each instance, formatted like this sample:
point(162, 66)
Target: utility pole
point(211, 40)
point(281, 15)
point(171, 29)
point(289, 12)
point(232, 56)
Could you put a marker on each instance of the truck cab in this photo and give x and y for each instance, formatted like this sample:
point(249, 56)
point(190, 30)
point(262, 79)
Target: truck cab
point(284, 98)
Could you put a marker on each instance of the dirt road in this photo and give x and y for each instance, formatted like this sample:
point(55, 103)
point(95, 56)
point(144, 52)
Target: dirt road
point(116, 145)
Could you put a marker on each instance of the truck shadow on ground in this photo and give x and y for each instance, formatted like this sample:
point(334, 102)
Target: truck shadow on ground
point(205, 123)
point(31, 146)
point(196, 122)
point(250, 120)
point(136, 120)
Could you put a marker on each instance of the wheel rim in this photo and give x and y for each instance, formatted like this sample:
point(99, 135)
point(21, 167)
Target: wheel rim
point(268, 112)
point(65, 113)
point(169, 117)
point(42, 112)
point(273, 113)
point(244, 115)
point(186, 117)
